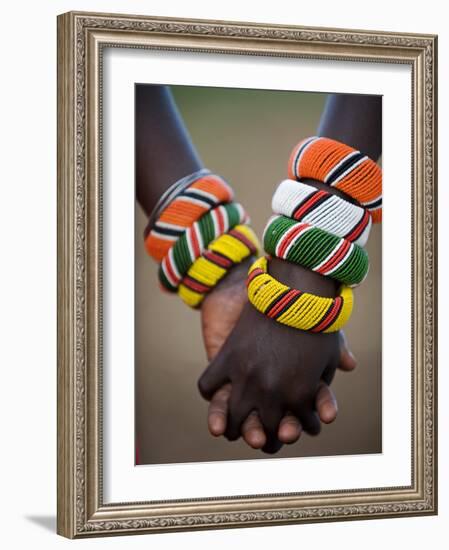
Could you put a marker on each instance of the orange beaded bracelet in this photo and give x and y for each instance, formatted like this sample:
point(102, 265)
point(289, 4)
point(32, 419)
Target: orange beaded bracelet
point(186, 208)
point(342, 167)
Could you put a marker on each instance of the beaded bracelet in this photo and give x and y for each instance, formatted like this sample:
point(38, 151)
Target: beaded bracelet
point(195, 240)
point(221, 255)
point(171, 193)
point(316, 249)
point(294, 308)
point(340, 166)
point(321, 209)
point(196, 197)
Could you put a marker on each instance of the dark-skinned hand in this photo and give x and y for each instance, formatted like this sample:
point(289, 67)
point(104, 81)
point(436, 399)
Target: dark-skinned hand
point(220, 312)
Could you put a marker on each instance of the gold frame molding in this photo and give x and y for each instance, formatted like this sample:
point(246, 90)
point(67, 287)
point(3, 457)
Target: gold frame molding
point(81, 39)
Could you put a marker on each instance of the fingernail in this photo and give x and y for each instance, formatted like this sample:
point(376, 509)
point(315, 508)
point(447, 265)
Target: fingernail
point(257, 440)
point(216, 428)
point(329, 413)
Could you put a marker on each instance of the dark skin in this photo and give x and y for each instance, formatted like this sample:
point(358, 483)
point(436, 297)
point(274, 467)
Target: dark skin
point(164, 153)
point(164, 150)
point(275, 371)
point(220, 312)
point(355, 120)
point(156, 150)
point(269, 375)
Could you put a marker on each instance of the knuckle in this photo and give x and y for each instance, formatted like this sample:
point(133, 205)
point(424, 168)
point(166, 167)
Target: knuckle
point(203, 387)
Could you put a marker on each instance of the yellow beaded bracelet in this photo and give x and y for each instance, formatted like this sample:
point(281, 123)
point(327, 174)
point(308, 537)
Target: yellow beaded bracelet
point(294, 308)
point(204, 274)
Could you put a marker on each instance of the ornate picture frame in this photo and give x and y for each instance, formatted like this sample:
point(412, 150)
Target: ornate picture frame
point(82, 38)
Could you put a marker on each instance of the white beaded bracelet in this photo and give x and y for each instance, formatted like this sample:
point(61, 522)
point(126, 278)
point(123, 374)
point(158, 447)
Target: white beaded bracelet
point(321, 209)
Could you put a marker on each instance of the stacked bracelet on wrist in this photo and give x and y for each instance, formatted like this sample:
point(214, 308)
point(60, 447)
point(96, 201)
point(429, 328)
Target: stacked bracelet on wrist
point(320, 231)
point(197, 234)
point(195, 240)
point(340, 166)
point(316, 249)
point(321, 209)
point(225, 252)
point(202, 194)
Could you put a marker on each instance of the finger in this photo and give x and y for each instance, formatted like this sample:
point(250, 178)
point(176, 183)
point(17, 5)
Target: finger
point(326, 404)
point(289, 429)
point(347, 360)
point(311, 422)
point(271, 415)
point(272, 446)
point(218, 410)
point(329, 373)
point(239, 408)
point(214, 377)
point(307, 415)
point(252, 431)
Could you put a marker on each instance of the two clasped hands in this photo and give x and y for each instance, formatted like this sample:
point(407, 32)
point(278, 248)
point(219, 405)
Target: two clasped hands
point(266, 382)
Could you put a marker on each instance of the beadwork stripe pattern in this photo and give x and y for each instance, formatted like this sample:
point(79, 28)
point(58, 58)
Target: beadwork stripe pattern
point(222, 254)
point(294, 308)
point(195, 240)
point(321, 209)
point(193, 202)
point(316, 249)
point(340, 166)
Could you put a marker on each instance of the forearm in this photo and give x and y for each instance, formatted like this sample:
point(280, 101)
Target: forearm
point(355, 120)
point(165, 154)
point(164, 150)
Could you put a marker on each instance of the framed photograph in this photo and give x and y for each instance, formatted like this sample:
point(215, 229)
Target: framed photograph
point(246, 246)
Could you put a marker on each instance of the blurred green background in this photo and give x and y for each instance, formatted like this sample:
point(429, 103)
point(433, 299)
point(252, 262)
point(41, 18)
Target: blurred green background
point(245, 136)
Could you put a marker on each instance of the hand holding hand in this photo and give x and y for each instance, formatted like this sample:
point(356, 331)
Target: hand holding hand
point(290, 428)
point(250, 360)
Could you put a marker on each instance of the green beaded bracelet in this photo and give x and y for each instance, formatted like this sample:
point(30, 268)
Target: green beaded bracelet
point(316, 249)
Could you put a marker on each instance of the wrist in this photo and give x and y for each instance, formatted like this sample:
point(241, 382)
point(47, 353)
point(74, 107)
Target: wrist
point(296, 276)
point(297, 308)
point(229, 250)
point(237, 274)
point(235, 279)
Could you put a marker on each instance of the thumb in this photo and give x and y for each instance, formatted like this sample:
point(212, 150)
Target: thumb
point(347, 360)
point(214, 377)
